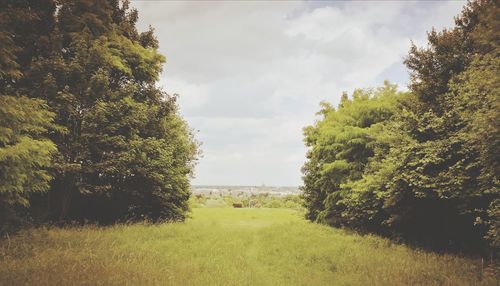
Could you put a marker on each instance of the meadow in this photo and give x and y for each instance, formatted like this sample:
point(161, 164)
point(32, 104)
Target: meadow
point(225, 246)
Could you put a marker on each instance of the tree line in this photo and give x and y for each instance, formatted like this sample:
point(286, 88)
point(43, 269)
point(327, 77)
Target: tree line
point(422, 165)
point(86, 134)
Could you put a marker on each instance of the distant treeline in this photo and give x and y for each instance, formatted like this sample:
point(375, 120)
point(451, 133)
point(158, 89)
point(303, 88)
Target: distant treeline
point(85, 133)
point(261, 200)
point(421, 166)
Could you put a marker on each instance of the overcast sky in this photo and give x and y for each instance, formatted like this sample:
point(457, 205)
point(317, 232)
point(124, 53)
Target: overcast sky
point(251, 75)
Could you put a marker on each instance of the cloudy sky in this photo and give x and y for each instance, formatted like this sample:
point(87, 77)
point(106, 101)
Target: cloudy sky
point(251, 74)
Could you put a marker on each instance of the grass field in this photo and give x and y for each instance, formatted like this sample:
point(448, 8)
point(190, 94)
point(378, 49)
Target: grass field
point(224, 246)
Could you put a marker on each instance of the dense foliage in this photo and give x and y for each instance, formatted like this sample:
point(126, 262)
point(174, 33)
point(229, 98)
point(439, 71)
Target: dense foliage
point(346, 144)
point(117, 148)
point(421, 166)
point(25, 152)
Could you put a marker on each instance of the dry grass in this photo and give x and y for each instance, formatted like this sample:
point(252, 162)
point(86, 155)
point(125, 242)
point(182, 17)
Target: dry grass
point(225, 247)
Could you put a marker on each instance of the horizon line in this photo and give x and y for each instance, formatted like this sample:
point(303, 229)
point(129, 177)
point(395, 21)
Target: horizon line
point(222, 185)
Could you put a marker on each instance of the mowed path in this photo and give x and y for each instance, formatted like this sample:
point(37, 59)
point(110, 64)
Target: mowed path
point(224, 246)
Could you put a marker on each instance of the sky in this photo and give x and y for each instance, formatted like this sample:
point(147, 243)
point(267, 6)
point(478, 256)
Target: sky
point(251, 74)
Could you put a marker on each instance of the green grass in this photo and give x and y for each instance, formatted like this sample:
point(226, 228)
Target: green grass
point(224, 246)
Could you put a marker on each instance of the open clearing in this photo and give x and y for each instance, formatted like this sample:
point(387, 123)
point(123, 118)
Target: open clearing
point(225, 246)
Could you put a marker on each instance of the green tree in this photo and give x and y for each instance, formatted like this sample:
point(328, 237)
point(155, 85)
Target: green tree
point(25, 152)
point(423, 167)
point(443, 181)
point(124, 152)
point(343, 145)
point(475, 103)
point(127, 153)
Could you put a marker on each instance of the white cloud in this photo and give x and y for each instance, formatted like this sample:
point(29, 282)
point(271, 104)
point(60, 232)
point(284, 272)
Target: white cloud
point(251, 74)
point(199, 94)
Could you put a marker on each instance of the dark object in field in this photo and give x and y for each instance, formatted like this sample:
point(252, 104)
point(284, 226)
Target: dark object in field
point(237, 205)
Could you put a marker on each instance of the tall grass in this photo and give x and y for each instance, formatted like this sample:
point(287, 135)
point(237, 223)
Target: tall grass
point(225, 247)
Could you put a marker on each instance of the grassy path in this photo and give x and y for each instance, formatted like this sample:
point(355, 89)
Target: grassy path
point(224, 247)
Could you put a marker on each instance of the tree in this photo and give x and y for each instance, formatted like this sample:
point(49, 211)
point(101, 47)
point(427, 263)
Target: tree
point(425, 169)
point(474, 101)
point(25, 152)
point(127, 153)
point(442, 184)
point(343, 144)
point(79, 72)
